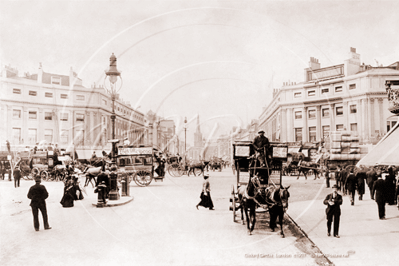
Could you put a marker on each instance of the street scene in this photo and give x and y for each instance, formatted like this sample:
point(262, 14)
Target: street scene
point(199, 133)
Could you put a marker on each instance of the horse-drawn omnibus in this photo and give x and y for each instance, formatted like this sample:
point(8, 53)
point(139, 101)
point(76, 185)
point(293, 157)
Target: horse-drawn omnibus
point(259, 186)
point(5, 166)
point(138, 163)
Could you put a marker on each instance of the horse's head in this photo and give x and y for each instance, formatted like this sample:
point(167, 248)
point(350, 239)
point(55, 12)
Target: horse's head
point(284, 195)
point(255, 184)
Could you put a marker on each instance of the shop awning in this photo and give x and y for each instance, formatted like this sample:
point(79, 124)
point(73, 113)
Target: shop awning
point(386, 152)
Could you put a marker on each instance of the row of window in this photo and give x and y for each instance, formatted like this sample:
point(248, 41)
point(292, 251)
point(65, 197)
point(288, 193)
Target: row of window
point(325, 131)
point(325, 112)
point(48, 94)
point(47, 116)
point(32, 136)
point(323, 91)
point(124, 111)
point(78, 97)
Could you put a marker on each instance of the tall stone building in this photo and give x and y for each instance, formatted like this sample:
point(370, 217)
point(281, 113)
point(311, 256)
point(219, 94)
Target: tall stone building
point(59, 109)
point(349, 96)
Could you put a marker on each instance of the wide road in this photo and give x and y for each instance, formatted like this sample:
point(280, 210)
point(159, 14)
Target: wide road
point(161, 226)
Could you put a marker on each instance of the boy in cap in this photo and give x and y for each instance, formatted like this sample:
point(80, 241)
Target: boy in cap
point(38, 195)
point(333, 211)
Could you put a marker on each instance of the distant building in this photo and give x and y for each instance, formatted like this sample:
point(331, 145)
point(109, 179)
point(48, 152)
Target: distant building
point(350, 96)
point(196, 152)
point(59, 109)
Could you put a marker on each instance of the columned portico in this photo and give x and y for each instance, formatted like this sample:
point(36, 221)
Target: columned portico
point(305, 125)
point(318, 123)
point(332, 117)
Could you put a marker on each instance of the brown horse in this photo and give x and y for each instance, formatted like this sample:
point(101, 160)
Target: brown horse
point(249, 197)
point(278, 197)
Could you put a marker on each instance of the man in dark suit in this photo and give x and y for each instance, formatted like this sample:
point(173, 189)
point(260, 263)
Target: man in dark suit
point(379, 192)
point(261, 143)
point(344, 177)
point(17, 176)
point(38, 195)
point(361, 176)
point(350, 185)
point(333, 211)
point(371, 178)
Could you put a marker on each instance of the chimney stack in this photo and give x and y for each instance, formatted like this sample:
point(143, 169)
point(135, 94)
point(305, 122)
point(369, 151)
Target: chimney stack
point(314, 63)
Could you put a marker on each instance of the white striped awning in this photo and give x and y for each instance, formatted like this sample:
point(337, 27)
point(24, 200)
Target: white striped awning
point(386, 152)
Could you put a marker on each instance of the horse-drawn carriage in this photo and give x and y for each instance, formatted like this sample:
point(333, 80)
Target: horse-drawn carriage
point(178, 167)
point(40, 163)
point(138, 163)
point(259, 186)
point(303, 159)
point(216, 164)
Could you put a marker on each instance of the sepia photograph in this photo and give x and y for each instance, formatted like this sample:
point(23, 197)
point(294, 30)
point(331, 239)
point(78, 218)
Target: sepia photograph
point(199, 132)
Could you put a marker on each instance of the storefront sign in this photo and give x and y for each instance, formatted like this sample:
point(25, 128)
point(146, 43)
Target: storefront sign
point(134, 151)
point(242, 151)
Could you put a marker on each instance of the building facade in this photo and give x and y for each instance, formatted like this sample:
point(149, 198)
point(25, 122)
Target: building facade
point(350, 96)
point(59, 109)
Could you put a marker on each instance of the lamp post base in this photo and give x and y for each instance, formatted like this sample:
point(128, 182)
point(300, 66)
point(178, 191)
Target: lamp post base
point(114, 195)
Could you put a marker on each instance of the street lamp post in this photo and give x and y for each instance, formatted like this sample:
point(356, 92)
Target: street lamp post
point(185, 140)
point(112, 75)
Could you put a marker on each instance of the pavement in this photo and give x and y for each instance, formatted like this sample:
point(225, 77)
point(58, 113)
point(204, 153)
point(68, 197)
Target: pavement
point(161, 226)
point(364, 238)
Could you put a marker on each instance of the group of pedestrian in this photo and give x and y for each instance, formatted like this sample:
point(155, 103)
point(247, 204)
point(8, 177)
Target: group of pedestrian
point(383, 183)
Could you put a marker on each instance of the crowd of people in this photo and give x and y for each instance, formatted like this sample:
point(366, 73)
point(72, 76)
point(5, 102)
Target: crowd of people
point(354, 180)
point(382, 182)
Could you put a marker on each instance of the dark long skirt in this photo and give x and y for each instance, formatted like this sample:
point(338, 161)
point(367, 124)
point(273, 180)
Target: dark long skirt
point(67, 200)
point(206, 200)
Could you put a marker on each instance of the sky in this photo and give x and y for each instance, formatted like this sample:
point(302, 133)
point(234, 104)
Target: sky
point(216, 59)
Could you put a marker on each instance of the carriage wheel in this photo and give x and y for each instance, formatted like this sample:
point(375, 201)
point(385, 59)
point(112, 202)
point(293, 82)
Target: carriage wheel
point(198, 171)
point(44, 175)
point(143, 178)
point(233, 195)
point(180, 171)
point(173, 170)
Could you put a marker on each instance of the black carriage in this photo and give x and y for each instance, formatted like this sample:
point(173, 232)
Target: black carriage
point(175, 166)
point(246, 165)
point(303, 158)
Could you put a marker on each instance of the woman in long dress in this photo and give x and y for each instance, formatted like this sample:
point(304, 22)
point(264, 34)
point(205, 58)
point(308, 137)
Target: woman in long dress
point(206, 200)
point(68, 197)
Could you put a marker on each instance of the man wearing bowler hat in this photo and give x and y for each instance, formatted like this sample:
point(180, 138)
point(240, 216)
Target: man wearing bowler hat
point(333, 211)
point(38, 195)
point(260, 143)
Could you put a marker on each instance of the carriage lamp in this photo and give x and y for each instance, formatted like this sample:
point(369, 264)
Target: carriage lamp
point(110, 85)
